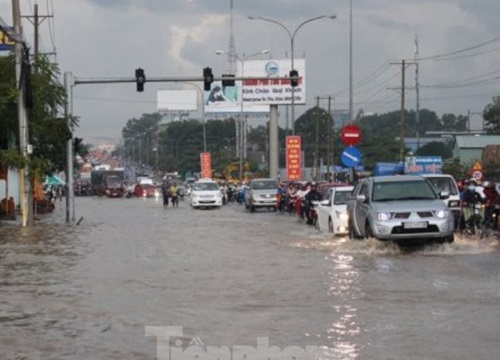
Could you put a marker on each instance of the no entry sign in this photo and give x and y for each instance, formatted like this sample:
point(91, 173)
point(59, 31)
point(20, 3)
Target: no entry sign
point(350, 135)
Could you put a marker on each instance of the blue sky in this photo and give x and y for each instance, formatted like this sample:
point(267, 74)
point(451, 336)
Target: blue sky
point(110, 38)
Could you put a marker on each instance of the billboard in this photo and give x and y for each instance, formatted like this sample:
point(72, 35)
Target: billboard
point(255, 96)
point(417, 165)
point(206, 165)
point(6, 43)
point(176, 100)
point(293, 157)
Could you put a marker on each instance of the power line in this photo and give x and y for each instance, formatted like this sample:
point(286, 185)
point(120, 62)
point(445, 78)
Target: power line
point(495, 39)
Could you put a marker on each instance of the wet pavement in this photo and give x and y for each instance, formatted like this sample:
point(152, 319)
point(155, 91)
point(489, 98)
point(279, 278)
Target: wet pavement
point(227, 277)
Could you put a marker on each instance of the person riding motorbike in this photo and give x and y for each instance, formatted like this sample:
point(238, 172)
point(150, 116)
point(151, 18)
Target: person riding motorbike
point(492, 197)
point(470, 197)
point(312, 196)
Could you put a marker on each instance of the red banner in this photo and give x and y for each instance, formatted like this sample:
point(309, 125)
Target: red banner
point(293, 157)
point(206, 165)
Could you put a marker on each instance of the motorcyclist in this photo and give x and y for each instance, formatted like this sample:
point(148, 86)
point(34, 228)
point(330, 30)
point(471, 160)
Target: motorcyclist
point(491, 195)
point(312, 196)
point(470, 197)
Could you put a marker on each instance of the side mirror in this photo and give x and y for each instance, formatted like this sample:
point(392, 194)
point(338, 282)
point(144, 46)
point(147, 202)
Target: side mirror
point(325, 203)
point(443, 195)
point(361, 198)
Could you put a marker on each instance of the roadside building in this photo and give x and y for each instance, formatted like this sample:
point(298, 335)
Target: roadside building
point(469, 148)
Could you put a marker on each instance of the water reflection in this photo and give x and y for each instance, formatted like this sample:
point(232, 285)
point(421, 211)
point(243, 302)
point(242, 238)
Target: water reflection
point(343, 289)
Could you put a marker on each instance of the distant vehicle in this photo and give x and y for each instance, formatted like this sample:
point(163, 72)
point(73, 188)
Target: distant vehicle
point(146, 191)
point(145, 180)
point(114, 186)
point(205, 193)
point(107, 182)
point(332, 212)
point(261, 193)
point(399, 208)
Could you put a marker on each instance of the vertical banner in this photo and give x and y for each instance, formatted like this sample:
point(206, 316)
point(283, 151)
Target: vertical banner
point(293, 157)
point(206, 165)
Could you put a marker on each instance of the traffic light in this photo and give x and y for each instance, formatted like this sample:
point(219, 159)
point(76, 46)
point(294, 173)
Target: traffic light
point(294, 78)
point(229, 81)
point(208, 78)
point(77, 145)
point(140, 79)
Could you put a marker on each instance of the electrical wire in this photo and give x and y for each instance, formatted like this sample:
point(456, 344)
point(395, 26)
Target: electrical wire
point(495, 39)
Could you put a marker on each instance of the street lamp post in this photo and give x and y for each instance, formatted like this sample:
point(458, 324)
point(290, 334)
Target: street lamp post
point(242, 124)
point(203, 120)
point(291, 35)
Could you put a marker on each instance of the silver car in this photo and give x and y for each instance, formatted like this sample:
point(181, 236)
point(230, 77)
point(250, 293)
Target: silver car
point(261, 193)
point(401, 208)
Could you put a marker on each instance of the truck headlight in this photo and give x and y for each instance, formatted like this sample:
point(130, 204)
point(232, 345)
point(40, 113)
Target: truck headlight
point(383, 216)
point(442, 214)
point(341, 215)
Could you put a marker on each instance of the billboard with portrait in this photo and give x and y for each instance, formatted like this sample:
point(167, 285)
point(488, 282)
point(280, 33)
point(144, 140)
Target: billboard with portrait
point(255, 95)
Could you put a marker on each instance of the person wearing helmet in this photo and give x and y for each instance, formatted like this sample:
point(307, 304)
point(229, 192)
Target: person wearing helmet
point(312, 196)
point(470, 198)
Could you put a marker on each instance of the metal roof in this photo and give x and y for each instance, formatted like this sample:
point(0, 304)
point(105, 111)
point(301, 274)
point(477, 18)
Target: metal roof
point(476, 142)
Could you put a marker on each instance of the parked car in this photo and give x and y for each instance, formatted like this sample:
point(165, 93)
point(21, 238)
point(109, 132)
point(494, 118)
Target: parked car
point(205, 193)
point(261, 193)
point(332, 212)
point(400, 208)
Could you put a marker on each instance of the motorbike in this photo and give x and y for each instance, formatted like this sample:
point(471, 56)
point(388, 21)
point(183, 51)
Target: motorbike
point(313, 213)
point(475, 223)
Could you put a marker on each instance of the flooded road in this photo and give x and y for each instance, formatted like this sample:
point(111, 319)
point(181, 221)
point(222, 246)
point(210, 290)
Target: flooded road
point(229, 278)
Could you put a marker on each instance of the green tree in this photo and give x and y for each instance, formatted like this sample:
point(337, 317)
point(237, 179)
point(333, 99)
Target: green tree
point(455, 169)
point(313, 126)
point(435, 148)
point(48, 132)
point(491, 115)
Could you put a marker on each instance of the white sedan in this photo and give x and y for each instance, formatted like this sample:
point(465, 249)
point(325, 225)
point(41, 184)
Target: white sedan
point(205, 194)
point(332, 212)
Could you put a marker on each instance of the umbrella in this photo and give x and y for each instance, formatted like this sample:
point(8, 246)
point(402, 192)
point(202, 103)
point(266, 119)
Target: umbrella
point(54, 180)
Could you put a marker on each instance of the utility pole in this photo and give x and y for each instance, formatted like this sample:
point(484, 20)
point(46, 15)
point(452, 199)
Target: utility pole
point(331, 137)
point(36, 20)
point(351, 105)
point(25, 186)
point(402, 136)
point(316, 142)
point(417, 92)
point(403, 64)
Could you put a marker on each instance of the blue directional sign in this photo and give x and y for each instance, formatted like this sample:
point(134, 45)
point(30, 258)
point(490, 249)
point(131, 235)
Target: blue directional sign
point(351, 156)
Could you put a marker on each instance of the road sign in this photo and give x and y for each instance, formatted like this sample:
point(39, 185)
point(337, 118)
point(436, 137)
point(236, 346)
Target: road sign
point(477, 166)
point(351, 156)
point(350, 135)
point(477, 174)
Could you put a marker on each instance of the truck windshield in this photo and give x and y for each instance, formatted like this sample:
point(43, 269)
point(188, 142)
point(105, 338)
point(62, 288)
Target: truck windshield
point(443, 184)
point(403, 190)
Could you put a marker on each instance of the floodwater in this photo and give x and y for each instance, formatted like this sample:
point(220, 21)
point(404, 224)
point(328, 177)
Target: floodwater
point(114, 286)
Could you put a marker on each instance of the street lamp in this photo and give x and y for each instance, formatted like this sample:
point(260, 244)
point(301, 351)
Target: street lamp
point(242, 130)
point(291, 35)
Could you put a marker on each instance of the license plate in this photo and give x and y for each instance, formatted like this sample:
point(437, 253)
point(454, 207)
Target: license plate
point(415, 225)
